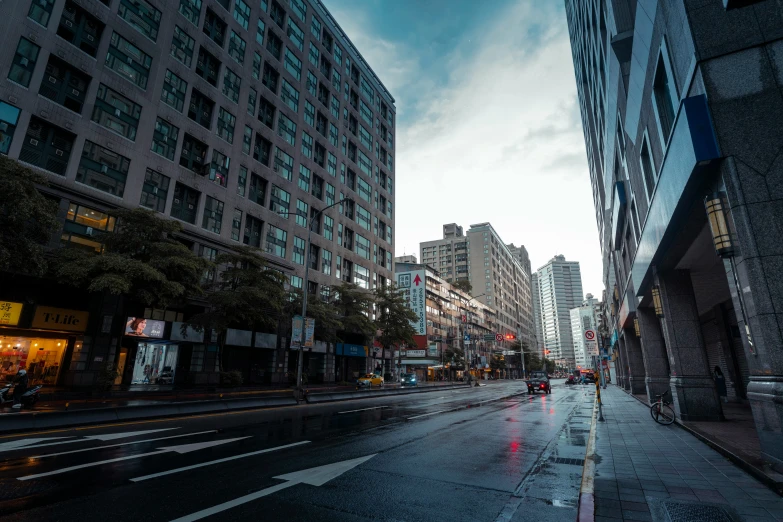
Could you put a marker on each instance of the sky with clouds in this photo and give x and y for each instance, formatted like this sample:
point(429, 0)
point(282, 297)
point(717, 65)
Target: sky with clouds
point(488, 125)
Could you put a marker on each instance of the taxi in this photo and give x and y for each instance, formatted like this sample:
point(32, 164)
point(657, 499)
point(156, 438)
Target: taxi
point(370, 379)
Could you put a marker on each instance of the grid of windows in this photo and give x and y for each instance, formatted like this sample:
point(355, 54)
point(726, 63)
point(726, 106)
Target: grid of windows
point(276, 240)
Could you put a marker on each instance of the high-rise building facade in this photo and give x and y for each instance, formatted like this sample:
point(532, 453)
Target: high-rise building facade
point(560, 290)
point(682, 113)
point(526, 303)
point(495, 275)
point(537, 317)
point(239, 119)
point(584, 318)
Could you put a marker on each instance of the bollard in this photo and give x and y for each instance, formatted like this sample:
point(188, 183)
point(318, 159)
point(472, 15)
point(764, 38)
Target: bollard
point(598, 398)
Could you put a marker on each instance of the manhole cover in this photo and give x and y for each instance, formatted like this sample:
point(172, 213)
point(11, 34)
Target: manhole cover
point(572, 462)
point(685, 512)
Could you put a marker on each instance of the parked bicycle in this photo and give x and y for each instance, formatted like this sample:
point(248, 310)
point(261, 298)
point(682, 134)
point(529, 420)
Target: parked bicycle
point(661, 411)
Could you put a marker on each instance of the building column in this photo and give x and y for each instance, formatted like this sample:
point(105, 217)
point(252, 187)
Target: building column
point(693, 389)
point(624, 364)
point(656, 361)
point(633, 349)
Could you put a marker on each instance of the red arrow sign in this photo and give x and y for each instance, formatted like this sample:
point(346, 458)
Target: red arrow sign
point(417, 280)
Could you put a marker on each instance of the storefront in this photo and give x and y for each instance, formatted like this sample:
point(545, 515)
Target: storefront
point(153, 355)
point(40, 349)
point(351, 361)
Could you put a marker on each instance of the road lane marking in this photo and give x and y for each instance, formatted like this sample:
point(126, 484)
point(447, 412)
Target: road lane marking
point(313, 476)
point(23, 443)
point(363, 409)
point(103, 437)
point(123, 444)
point(218, 461)
point(184, 448)
point(427, 414)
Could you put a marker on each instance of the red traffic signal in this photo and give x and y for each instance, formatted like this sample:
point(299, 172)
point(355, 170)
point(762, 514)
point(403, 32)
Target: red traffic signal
point(546, 352)
point(510, 337)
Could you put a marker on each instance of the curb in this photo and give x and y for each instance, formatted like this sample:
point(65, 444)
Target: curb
point(586, 507)
point(315, 398)
point(738, 461)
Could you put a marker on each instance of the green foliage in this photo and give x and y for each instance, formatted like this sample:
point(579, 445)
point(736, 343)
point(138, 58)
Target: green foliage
point(141, 259)
point(27, 219)
point(464, 285)
point(327, 319)
point(393, 317)
point(498, 362)
point(354, 306)
point(454, 355)
point(231, 378)
point(106, 377)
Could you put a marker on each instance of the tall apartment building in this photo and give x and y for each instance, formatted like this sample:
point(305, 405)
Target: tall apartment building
point(537, 317)
point(239, 119)
point(526, 303)
point(682, 113)
point(496, 276)
point(560, 290)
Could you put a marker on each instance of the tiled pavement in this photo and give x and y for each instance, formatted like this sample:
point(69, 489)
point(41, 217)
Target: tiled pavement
point(646, 471)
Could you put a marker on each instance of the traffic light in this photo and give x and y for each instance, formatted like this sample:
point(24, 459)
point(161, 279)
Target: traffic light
point(546, 352)
point(510, 337)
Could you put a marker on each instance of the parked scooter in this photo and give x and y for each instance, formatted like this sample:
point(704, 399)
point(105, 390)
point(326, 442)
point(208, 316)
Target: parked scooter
point(27, 400)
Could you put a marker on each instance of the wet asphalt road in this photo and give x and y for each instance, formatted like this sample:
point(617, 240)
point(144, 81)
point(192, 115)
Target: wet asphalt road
point(420, 457)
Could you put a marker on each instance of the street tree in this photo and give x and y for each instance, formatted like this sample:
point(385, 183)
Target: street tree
point(27, 219)
point(354, 306)
point(141, 259)
point(464, 285)
point(247, 294)
point(327, 319)
point(498, 362)
point(394, 318)
point(455, 356)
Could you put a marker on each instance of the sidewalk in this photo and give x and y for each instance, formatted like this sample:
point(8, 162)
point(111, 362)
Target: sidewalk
point(646, 471)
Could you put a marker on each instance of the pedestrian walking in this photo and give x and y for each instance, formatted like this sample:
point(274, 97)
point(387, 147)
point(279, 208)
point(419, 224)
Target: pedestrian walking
point(720, 383)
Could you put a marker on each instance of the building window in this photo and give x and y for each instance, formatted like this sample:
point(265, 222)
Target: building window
point(185, 203)
point(262, 150)
point(266, 113)
point(24, 62)
point(218, 169)
point(318, 187)
point(9, 116)
point(286, 129)
point(279, 201)
point(194, 154)
point(128, 61)
point(154, 191)
point(201, 107)
point(213, 215)
point(231, 84)
point(241, 181)
point(116, 112)
point(271, 77)
point(363, 189)
point(214, 27)
point(648, 169)
point(333, 134)
point(299, 8)
point(309, 114)
point(295, 34)
point(190, 9)
point(47, 146)
point(40, 11)
point(315, 28)
point(304, 178)
point(81, 225)
point(257, 189)
point(365, 113)
point(361, 276)
point(663, 92)
point(365, 138)
point(103, 169)
point(331, 165)
point(247, 140)
point(251, 101)
point(312, 84)
point(225, 126)
point(207, 66)
point(141, 16)
point(276, 241)
point(261, 27)
point(363, 217)
point(328, 228)
point(293, 64)
point(80, 28)
point(298, 255)
point(330, 194)
point(326, 261)
point(253, 228)
point(290, 96)
point(64, 85)
point(182, 46)
point(236, 47)
point(367, 90)
point(274, 44)
point(236, 224)
point(242, 13)
point(277, 14)
point(164, 139)
point(307, 145)
point(174, 89)
point(301, 213)
point(314, 55)
point(284, 164)
point(210, 254)
point(365, 164)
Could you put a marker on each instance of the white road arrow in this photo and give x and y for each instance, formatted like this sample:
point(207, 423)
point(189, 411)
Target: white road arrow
point(23, 443)
point(184, 448)
point(313, 476)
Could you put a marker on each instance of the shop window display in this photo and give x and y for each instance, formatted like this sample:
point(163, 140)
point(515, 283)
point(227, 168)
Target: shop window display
point(155, 363)
point(42, 358)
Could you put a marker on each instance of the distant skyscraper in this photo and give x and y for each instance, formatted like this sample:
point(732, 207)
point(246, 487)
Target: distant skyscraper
point(583, 318)
point(560, 290)
point(536, 297)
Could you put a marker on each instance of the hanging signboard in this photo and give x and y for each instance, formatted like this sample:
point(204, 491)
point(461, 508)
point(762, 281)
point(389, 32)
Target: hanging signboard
point(412, 286)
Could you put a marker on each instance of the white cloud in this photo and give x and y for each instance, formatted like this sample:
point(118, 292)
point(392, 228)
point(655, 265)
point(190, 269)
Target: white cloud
point(500, 141)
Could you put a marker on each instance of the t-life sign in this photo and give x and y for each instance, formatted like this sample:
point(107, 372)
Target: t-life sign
point(412, 285)
point(60, 319)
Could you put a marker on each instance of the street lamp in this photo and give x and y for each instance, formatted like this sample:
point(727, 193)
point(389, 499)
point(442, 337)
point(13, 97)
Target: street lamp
point(298, 392)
